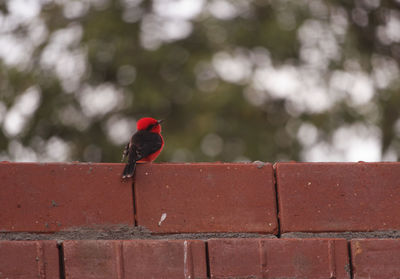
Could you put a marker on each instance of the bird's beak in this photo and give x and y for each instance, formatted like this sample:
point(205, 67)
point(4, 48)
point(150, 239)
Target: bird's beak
point(160, 121)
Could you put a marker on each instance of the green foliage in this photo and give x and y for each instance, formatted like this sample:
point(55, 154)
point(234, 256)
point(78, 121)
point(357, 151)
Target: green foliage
point(208, 82)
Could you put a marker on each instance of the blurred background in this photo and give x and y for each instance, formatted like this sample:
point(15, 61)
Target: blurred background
point(235, 80)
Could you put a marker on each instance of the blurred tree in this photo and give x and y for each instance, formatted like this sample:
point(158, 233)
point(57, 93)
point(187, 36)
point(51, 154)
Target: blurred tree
point(235, 80)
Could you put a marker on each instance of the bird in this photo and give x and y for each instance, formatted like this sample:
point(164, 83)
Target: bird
point(145, 145)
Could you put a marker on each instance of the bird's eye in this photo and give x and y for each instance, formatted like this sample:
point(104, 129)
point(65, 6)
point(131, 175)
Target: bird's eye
point(151, 126)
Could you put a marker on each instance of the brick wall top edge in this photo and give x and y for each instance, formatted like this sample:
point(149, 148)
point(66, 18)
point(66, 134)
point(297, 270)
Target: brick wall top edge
point(335, 163)
point(59, 163)
point(205, 163)
point(118, 164)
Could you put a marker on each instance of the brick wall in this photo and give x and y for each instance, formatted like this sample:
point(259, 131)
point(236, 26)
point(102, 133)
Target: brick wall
point(288, 220)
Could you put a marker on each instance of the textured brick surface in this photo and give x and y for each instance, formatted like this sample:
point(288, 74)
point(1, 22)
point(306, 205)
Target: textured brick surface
point(29, 259)
point(376, 258)
point(175, 198)
point(278, 258)
point(336, 197)
point(110, 259)
point(53, 197)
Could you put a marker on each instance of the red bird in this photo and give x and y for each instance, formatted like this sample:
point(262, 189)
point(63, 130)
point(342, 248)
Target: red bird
point(144, 146)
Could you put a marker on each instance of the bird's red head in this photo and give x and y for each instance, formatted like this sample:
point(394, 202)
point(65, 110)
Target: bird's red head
point(149, 124)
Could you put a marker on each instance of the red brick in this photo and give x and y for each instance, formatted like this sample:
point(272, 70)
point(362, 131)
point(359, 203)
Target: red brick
point(206, 198)
point(165, 259)
point(54, 197)
point(376, 258)
point(336, 197)
point(110, 259)
point(278, 258)
point(29, 259)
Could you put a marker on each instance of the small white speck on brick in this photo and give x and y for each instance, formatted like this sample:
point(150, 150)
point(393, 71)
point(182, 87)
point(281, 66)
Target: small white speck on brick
point(162, 219)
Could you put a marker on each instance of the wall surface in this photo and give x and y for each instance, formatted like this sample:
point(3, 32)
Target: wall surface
point(200, 220)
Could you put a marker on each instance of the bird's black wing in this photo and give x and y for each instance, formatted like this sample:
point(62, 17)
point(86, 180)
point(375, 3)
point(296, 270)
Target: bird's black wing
point(145, 143)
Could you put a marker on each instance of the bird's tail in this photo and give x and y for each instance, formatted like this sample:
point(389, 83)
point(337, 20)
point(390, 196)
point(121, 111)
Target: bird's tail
point(130, 167)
